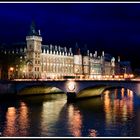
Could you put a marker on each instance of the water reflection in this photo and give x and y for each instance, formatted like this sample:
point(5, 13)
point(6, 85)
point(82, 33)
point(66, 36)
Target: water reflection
point(10, 128)
point(16, 123)
point(92, 133)
point(23, 120)
point(50, 115)
point(74, 121)
point(84, 116)
point(118, 110)
point(113, 114)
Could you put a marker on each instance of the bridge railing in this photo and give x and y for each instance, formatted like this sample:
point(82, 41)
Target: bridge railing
point(105, 79)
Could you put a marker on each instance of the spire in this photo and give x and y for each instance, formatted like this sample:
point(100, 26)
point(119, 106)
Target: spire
point(77, 49)
point(87, 52)
point(85, 49)
point(39, 32)
point(33, 29)
point(103, 53)
point(95, 54)
point(78, 52)
point(76, 46)
point(118, 58)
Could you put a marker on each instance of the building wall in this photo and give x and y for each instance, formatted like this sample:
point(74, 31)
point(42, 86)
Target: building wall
point(86, 65)
point(95, 66)
point(107, 68)
point(78, 69)
point(56, 66)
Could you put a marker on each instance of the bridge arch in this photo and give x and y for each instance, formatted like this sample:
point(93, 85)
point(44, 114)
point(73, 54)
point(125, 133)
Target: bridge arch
point(38, 89)
point(97, 90)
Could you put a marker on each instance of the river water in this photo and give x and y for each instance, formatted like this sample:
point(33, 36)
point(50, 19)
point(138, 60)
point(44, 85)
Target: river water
point(115, 114)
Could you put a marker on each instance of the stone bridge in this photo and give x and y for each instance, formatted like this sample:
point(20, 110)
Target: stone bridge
point(73, 88)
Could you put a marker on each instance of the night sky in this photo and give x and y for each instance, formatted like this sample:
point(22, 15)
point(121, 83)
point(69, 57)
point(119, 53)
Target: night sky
point(112, 27)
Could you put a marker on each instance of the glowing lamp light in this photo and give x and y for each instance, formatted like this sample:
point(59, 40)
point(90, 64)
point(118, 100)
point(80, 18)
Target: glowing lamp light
point(11, 68)
point(71, 86)
point(131, 75)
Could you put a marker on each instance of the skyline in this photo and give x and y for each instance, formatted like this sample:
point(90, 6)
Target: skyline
point(110, 27)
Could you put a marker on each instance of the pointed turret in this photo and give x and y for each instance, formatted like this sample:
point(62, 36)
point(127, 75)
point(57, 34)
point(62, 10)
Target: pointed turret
point(33, 30)
point(103, 54)
point(76, 45)
point(118, 58)
point(76, 48)
point(78, 52)
point(85, 50)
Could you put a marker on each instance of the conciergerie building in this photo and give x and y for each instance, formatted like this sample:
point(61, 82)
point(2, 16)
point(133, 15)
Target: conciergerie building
point(35, 60)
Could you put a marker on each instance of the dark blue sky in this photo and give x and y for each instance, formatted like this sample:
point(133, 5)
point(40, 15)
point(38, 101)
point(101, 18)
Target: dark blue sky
point(112, 27)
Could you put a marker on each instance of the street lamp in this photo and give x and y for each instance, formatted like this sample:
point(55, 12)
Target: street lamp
point(11, 72)
point(11, 69)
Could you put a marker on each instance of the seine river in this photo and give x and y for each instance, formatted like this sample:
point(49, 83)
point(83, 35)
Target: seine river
point(115, 114)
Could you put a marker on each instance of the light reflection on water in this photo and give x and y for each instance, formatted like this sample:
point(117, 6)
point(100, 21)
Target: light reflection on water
point(10, 128)
point(115, 113)
point(74, 121)
point(118, 110)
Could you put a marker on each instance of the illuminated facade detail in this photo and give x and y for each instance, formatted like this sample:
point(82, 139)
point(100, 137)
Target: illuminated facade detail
point(86, 62)
point(95, 65)
point(78, 64)
point(56, 64)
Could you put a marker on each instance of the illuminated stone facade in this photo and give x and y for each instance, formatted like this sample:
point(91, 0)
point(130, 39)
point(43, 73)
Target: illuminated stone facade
point(54, 62)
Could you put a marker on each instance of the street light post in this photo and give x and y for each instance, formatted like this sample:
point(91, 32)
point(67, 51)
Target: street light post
point(11, 70)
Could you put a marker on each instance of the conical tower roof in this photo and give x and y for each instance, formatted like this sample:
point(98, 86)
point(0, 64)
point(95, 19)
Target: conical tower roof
point(33, 29)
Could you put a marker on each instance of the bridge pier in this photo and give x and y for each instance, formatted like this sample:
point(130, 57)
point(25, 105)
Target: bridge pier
point(71, 96)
